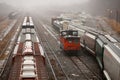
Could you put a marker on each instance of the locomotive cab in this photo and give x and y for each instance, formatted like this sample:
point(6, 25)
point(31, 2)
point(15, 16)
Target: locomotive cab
point(68, 33)
point(69, 40)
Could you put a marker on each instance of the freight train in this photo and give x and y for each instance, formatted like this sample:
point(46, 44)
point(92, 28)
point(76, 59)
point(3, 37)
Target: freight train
point(106, 52)
point(60, 24)
point(69, 39)
point(28, 59)
point(105, 49)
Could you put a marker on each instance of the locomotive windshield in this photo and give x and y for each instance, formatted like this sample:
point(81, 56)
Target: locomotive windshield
point(72, 33)
point(69, 32)
point(63, 33)
point(75, 33)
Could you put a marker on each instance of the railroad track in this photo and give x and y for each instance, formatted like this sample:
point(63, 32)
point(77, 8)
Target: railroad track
point(52, 59)
point(87, 57)
point(93, 74)
point(5, 69)
point(75, 74)
point(54, 41)
point(84, 69)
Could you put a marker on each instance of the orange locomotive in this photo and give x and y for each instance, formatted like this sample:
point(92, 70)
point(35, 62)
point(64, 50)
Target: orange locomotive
point(69, 40)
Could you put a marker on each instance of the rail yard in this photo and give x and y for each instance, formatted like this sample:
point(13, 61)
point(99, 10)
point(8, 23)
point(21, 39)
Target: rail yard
point(65, 48)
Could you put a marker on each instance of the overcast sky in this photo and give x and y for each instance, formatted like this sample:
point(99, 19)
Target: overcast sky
point(31, 3)
point(91, 6)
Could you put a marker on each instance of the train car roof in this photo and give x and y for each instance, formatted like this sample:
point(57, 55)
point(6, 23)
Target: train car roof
point(103, 39)
point(117, 45)
point(110, 38)
point(93, 33)
point(90, 35)
point(114, 49)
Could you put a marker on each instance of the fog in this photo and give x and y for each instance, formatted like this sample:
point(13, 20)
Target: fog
point(58, 6)
point(43, 3)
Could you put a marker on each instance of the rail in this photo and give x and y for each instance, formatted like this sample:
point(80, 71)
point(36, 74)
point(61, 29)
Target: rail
point(51, 50)
point(84, 69)
point(8, 60)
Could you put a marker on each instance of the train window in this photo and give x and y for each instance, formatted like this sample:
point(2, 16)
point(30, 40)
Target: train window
point(75, 33)
point(64, 33)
